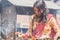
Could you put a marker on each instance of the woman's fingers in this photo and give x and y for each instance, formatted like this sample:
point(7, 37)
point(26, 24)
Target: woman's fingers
point(19, 34)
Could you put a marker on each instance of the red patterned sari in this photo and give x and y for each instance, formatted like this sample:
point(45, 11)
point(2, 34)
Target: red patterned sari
point(49, 28)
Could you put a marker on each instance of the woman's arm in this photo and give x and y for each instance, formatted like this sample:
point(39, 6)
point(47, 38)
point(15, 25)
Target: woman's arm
point(29, 31)
point(51, 23)
point(30, 28)
point(54, 24)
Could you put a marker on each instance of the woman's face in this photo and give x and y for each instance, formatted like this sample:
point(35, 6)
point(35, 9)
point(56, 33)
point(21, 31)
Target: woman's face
point(37, 12)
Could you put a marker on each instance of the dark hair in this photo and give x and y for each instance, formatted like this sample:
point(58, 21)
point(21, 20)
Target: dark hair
point(40, 4)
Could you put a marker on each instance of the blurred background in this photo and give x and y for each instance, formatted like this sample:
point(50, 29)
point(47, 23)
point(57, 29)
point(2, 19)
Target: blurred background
point(15, 15)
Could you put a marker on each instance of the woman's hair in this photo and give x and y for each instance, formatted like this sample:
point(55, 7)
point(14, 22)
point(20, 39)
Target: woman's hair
point(40, 4)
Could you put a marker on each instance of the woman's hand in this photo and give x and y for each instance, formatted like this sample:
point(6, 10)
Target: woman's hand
point(57, 35)
point(25, 36)
point(19, 34)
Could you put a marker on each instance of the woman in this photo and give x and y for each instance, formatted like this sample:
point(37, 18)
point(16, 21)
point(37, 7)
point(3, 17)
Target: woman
point(42, 24)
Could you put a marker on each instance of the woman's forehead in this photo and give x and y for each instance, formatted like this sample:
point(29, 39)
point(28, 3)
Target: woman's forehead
point(36, 8)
